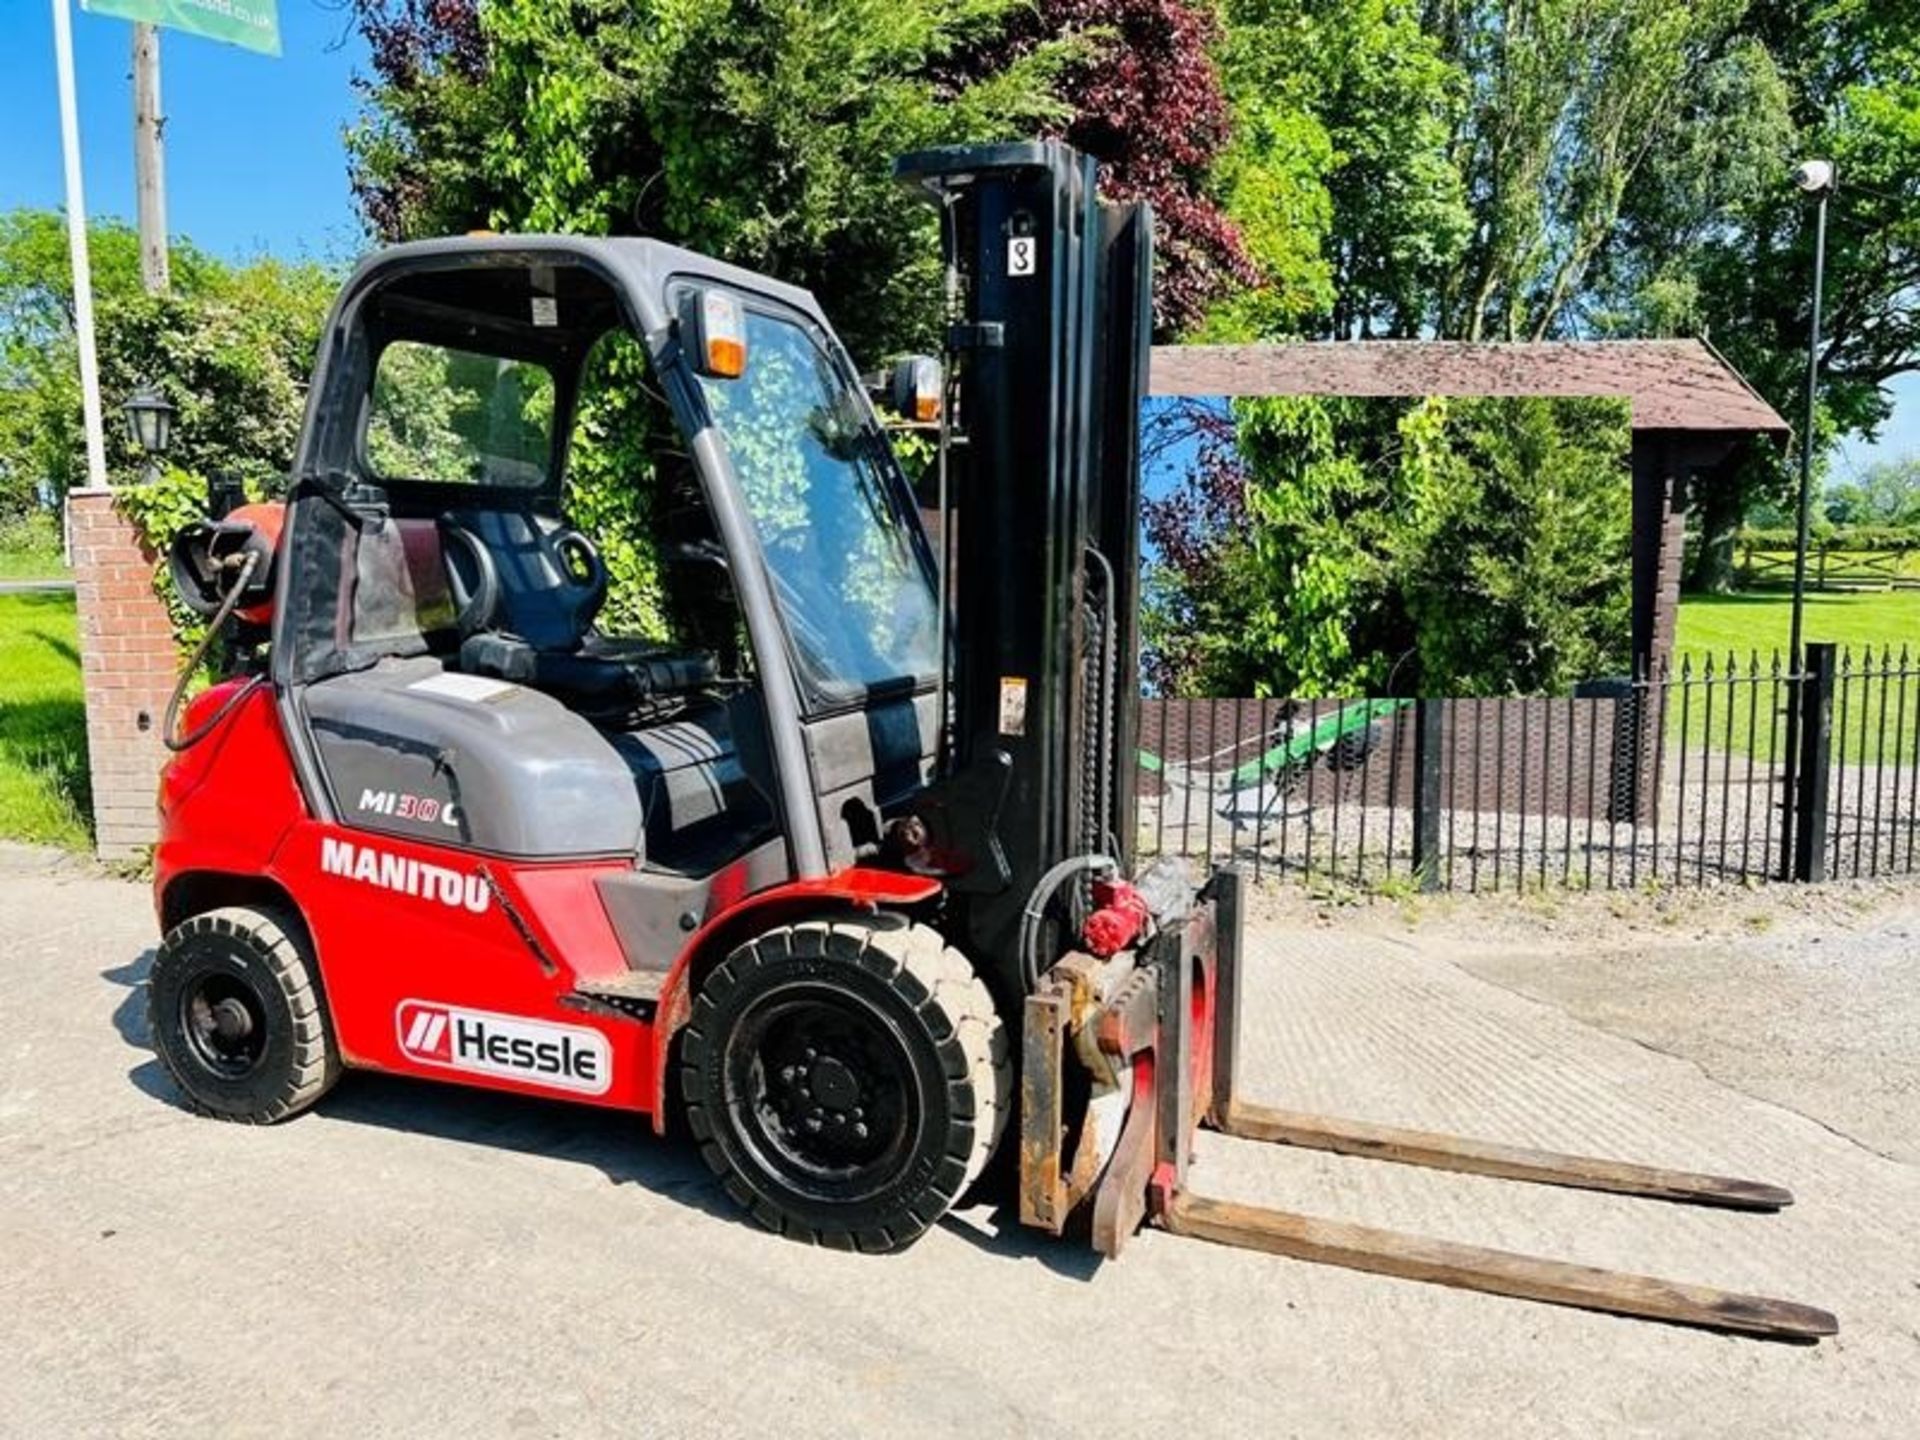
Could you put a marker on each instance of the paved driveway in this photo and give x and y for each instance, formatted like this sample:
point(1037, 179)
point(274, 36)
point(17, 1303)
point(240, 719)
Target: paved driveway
point(413, 1260)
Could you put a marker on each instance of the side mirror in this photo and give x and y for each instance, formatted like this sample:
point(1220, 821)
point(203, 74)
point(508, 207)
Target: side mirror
point(916, 389)
point(716, 332)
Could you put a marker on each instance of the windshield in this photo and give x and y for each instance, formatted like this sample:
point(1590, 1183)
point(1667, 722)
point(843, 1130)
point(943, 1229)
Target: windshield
point(841, 544)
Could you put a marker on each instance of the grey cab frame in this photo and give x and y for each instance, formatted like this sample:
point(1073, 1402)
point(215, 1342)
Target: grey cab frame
point(643, 276)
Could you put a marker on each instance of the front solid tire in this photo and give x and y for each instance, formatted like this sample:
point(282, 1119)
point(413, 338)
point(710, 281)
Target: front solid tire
point(235, 1015)
point(846, 1080)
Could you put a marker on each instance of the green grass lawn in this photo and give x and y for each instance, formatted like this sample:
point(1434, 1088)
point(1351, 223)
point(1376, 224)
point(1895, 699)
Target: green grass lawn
point(30, 548)
point(33, 564)
point(43, 728)
point(1877, 621)
point(1715, 624)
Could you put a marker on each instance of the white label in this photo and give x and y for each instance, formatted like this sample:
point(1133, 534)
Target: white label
point(477, 688)
point(1021, 250)
point(404, 875)
point(1013, 705)
point(546, 311)
point(566, 1057)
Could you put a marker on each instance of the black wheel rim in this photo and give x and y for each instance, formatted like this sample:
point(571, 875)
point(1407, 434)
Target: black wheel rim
point(225, 1024)
point(822, 1090)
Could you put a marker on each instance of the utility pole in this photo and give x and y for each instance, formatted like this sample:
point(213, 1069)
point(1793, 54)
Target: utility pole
point(149, 160)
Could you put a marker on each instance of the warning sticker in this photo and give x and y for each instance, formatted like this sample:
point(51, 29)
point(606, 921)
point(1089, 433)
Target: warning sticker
point(546, 311)
point(1021, 253)
point(1013, 705)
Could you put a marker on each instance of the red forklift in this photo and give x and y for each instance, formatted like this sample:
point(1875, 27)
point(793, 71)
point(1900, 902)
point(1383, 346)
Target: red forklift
point(826, 847)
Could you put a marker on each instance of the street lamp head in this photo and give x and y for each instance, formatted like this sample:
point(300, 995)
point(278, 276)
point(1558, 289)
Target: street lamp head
point(149, 420)
point(1814, 177)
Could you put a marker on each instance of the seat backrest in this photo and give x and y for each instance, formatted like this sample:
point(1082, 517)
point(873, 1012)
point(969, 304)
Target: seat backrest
point(539, 601)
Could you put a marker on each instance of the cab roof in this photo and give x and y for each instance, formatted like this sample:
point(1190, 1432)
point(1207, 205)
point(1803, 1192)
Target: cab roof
point(501, 275)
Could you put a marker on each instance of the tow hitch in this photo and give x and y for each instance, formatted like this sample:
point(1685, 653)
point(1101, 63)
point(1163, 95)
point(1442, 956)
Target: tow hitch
point(1153, 1035)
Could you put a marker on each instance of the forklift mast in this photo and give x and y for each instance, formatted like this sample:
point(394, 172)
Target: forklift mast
point(1048, 349)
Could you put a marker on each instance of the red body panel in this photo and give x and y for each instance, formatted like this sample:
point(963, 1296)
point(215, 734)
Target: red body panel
point(413, 942)
point(395, 921)
point(225, 803)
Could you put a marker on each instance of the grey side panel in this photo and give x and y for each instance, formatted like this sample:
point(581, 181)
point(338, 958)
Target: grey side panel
point(867, 762)
point(457, 760)
point(653, 913)
point(702, 808)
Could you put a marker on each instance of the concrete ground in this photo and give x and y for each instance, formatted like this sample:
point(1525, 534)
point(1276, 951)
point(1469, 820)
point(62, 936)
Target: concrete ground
point(410, 1259)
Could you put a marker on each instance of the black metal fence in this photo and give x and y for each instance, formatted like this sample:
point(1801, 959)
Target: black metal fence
point(1696, 775)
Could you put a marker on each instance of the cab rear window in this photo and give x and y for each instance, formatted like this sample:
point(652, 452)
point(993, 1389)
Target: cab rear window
point(459, 417)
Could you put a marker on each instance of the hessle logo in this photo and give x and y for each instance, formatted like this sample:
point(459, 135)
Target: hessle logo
point(569, 1057)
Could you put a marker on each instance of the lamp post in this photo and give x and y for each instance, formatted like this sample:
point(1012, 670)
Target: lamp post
point(1815, 179)
point(149, 424)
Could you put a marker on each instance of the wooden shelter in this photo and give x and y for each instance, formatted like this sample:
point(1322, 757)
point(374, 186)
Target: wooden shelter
point(1691, 412)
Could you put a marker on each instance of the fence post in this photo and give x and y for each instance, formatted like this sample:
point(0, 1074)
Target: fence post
point(1426, 792)
point(1816, 748)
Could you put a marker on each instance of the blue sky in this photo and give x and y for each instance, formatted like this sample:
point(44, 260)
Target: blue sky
point(1900, 436)
point(254, 154)
point(255, 160)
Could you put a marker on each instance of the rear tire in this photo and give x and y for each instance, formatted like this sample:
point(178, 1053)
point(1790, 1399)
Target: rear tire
point(235, 1014)
point(847, 1081)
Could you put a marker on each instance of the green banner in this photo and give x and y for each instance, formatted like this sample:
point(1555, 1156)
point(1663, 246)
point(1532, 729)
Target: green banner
point(253, 24)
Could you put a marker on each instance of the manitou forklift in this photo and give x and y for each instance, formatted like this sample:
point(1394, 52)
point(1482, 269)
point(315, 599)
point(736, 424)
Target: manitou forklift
point(825, 847)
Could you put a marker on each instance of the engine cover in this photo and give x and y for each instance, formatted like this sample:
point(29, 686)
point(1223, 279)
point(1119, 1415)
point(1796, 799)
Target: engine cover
point(410, 749)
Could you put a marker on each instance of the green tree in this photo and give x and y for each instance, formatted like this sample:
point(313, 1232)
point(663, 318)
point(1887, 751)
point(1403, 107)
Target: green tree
point(234, 359)
point(1454, 167)
point(231, 347)
point(1886, 493)
point(762, 134)
point(1568, 99)
point(1515, 562)
point(1461, 547)
point(1339, 173)
point(1714, 240)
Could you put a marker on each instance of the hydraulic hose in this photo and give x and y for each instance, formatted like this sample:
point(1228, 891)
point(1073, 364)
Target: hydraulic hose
point(1043, 892)
point(176, 743)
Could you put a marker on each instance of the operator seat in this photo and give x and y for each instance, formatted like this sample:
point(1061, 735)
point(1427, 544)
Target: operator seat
point(527, 588)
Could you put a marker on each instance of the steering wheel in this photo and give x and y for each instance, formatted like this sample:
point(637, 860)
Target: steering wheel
point(583, 569)
point(472, 578)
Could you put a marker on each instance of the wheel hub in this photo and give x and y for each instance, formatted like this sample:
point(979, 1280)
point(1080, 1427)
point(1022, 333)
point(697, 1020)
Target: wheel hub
point(225, 1025)
point(833, 1084)
point(231, 1022)
point(829, 1102)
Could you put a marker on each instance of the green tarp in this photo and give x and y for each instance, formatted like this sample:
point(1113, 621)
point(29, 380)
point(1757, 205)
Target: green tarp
point(254, 24)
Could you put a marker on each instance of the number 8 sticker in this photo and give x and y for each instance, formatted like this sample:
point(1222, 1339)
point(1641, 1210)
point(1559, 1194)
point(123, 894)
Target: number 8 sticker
point(1020, 254)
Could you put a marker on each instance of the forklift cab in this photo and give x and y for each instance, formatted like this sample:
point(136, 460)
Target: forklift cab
point(447, 665)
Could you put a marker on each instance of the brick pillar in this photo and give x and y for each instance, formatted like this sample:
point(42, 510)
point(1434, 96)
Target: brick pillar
point(129, 662)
